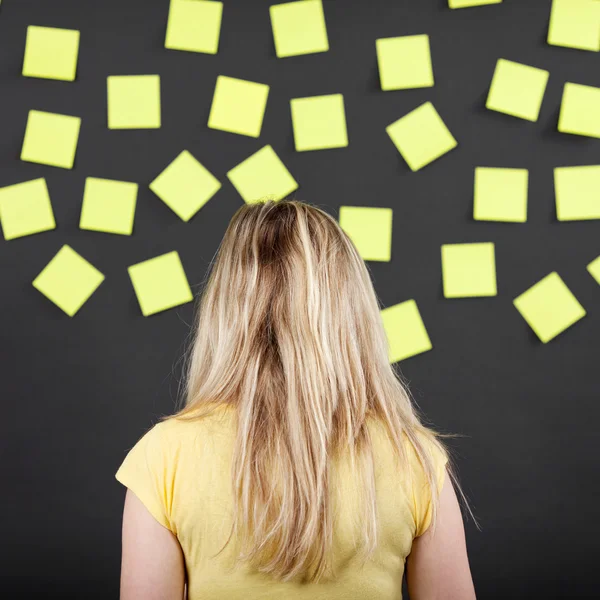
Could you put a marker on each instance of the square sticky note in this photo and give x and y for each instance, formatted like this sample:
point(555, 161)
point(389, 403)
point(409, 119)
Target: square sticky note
point(51, 53)
point(299, 28)
point(594, 269)
point(185, 186)
point(575, 24)
point(133, 101)
point(262, 176)
point(517, 89)
point(51, 139)
point(194, 26)
point(405, 331)
point(238, 106)
point(160, 283)
point(500, 194)
point(467, 3)
point(108, 205)
point(580, 110)
point(404, 62)
point(319, 122)
point(577, 193)
point(421, 136)
point(469, 270)
point(549, 307)
point(68, 280)
point(370, 229)
point(25, 209)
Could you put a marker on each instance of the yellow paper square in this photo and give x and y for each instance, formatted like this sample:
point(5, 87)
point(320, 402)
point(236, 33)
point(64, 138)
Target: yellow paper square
point(133, 101)
point(51, 139)
point(421, 136)
point(68, 280)
point(594, 269)
point(500, 194)
point(575, 24)
point(185, 186)
point(238, 106)
point(405, 330)
point(51, 53)
point(262, 176)
point(467, 3)
point(404, 62)
point(319, 122)
point(577, 192)
point(25, 209)
point(194, 26)
point(299, 28)
point(580, 110)
point(549, 307)
point(108, 206)
point(469, 270)
point(370, 229)
point(160, 283)
point(517, 89)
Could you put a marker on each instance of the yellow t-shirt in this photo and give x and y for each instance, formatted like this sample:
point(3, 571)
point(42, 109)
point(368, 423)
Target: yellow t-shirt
point(181, 472)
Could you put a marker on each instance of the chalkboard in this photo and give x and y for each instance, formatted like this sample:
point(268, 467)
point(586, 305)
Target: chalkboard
point(78, 392)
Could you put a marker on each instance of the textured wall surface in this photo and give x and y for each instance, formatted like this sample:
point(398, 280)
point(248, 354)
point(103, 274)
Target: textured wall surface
point(76, 393)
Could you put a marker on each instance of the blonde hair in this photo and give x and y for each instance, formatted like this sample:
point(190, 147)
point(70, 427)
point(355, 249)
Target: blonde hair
point(289, 333)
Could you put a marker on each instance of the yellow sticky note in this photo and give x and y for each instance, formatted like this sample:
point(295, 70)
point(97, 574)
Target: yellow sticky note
point(469, 270)
point(370, 229)
point(51, 53)
point(299, 28)
point(577, 192)
point(575, 24)
point(405, 331)
point(467, 3)
point(194, 26)
point(549, 307)
point(594, 269)
point(319, 122)
point(517, 89)
point(108, 206)
point(185, 186)
point(238, 106)
point(262, 176)
point(580, 110)
point(133, 101)
point(51, 139)
point(500, 194)
point(25, 209)
point(68, 280)
point(160, 283)
point(421, 136)
point(404, 62)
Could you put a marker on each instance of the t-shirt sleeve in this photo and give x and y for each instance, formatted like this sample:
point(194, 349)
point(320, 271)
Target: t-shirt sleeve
point(422, 493)
point(146, 472)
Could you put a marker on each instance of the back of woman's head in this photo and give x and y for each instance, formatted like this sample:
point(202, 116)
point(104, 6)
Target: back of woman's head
point(289, 333)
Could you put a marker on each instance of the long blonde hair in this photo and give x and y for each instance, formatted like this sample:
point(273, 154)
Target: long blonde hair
point(289, 333)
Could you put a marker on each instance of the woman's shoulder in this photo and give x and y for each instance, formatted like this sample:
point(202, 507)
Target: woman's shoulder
point(416, 440)
point(179, 426)
point(420, 446)
point(425, 443)
point(427, 454)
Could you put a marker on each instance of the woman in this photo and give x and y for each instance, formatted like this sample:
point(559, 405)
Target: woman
point(298, 467)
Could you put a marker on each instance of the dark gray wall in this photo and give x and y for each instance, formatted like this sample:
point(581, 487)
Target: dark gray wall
point(78, 392)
